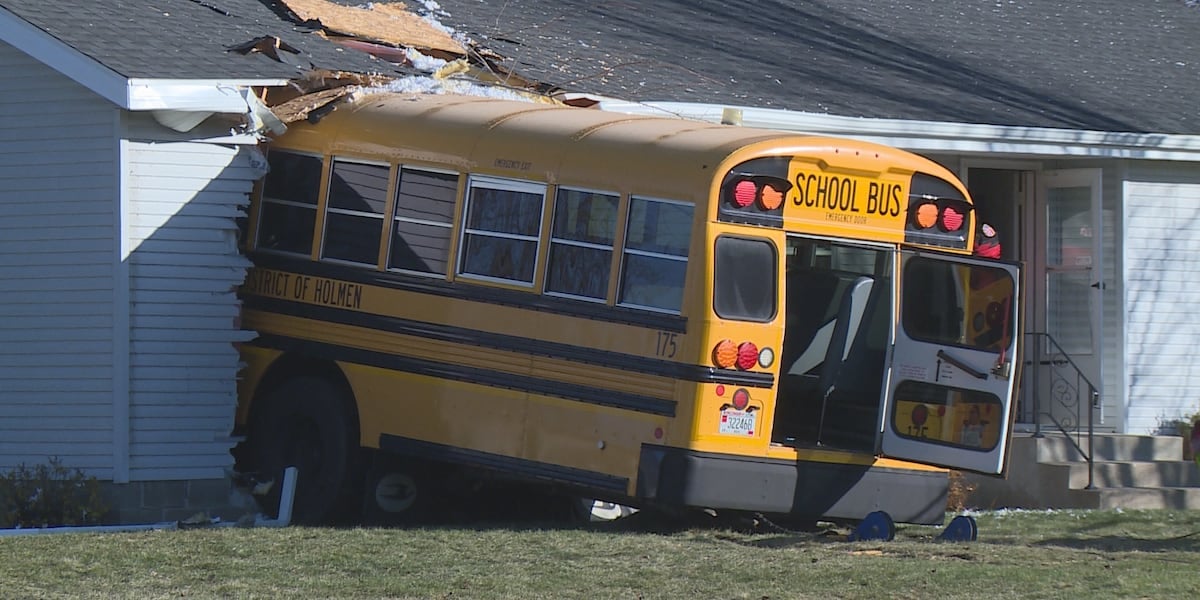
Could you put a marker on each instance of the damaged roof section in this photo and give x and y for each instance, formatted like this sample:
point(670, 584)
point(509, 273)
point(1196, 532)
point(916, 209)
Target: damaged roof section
point(384, 23)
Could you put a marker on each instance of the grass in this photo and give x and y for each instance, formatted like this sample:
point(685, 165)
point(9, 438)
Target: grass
point(1020, 554)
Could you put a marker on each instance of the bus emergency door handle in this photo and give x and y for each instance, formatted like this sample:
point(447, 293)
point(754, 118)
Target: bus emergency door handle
point(942, 354)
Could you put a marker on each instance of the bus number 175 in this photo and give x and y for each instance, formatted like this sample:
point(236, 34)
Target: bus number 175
point(666, 344)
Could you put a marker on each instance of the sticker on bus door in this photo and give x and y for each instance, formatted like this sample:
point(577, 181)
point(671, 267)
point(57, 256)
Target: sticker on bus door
point(952, 385)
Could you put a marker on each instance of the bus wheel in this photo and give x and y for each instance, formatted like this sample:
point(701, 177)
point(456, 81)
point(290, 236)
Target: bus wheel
point(397, 492)
point(305, 424)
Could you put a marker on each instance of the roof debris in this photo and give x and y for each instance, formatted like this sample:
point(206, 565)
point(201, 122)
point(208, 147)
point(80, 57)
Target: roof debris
point(319, 90)
point(383, 22)
point(268, 45)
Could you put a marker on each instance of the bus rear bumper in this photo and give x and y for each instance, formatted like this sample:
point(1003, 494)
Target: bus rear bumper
point(805, 489)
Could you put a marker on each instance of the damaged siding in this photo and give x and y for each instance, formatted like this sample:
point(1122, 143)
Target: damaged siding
point(184, 268)
point(57, 198)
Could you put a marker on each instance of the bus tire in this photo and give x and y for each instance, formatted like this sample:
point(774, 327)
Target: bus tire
point(306, 423)
point(397, 491)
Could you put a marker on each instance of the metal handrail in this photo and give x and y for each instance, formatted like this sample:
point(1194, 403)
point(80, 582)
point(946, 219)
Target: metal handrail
point(1064, 392)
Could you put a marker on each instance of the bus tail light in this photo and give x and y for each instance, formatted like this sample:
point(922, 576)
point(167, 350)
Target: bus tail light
point(747, 356)
point(725, 354)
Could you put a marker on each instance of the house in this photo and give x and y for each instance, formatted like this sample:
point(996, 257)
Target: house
point(129, 133)
point(1075, 125)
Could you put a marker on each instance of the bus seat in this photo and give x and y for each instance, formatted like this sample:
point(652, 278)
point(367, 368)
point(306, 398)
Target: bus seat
point(851, 307)
point(809, 296)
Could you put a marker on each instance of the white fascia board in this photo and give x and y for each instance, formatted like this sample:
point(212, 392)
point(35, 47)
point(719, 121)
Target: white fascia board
point(217, 95)
point(938, 136)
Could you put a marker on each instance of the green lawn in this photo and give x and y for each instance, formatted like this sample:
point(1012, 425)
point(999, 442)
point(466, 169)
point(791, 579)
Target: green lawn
point(1021, 554)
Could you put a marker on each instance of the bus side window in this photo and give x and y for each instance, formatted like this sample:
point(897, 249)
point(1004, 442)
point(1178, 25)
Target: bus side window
point(502, 229)
point(354, 213)
point(581, 244)
point(421, 225)
point(655, 256)
point(288, 212)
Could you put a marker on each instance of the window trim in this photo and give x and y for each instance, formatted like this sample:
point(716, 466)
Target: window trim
point(521, 186)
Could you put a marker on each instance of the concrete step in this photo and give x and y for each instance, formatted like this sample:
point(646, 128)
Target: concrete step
point(1056, 447)
point(1131, 474)
point(1187, 498)
point(1131, 471)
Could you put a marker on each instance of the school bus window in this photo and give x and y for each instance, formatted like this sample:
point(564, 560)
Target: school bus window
point(655, 255)
point(960, 304)
point(289, 203)
point(946, 415)
point(933, 307)
point(503, 222)
point(422, 223)
point(744, 279)
point(581, 244)
point(354, 216)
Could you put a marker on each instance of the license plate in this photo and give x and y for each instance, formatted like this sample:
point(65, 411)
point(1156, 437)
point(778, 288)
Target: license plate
point(738, 422)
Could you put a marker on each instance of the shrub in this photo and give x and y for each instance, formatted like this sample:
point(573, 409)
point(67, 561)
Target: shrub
point(960, 492)
point(49, 495)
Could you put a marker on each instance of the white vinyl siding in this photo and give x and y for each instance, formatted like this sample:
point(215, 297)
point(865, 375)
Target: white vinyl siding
point(184, 267)
point(57, 193)
point(1161, 273)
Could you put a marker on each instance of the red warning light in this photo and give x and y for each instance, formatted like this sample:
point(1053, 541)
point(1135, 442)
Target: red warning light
point(741, 399)
point(744, 193)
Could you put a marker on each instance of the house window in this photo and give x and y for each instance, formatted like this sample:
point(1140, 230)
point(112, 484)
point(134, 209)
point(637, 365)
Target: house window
point(581, 244)
point(288, 215)
point(422, 222)
point(655, 256)
point(502, 226)
point(354, 217)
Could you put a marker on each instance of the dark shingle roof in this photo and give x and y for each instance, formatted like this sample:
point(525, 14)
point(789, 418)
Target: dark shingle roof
point(185, 39)
point(1105, 65)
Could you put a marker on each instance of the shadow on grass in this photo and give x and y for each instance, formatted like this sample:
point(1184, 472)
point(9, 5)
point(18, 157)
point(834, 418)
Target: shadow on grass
point(1187, 542)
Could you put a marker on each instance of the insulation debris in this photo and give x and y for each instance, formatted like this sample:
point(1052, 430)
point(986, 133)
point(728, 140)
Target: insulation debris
point(388, 23)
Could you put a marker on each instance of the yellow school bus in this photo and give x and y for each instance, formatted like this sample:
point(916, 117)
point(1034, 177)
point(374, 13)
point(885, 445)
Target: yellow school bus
point(655, 312)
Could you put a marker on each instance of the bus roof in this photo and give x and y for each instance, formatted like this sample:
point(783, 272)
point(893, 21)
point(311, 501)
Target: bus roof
point(655, 156)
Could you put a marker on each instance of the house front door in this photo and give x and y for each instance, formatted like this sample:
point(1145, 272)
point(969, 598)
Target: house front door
point(1063, 354)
